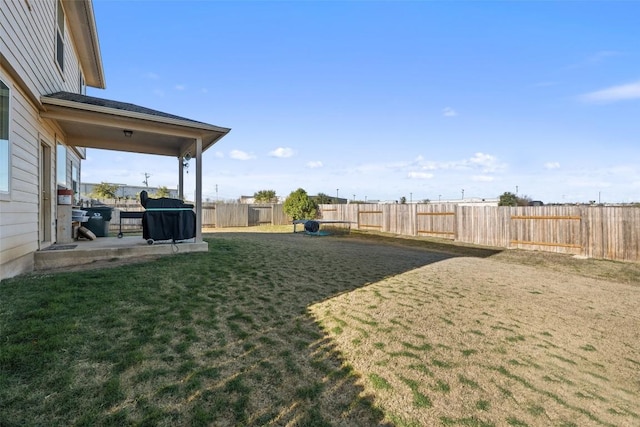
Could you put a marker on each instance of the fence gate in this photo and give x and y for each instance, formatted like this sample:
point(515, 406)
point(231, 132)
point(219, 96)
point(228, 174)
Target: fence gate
point(370, 219)
point(436, 220)
point(554, 229)
point(260, 214)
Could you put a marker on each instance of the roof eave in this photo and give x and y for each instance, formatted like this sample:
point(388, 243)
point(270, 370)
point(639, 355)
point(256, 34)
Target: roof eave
point(82, 22)
point(197, 126)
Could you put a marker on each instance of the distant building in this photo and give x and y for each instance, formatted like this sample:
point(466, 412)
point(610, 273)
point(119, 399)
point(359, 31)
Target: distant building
point(469, 201)
point(330, 200)
point(476, 201)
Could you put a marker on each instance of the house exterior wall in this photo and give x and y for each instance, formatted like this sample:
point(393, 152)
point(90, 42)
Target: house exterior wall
point(30, 47)
point(29, 68)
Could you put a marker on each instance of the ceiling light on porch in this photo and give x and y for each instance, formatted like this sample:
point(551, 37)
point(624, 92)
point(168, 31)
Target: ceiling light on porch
point(127, 133)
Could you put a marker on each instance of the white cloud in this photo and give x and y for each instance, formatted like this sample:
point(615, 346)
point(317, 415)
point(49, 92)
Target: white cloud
point(282, 152)
point(614, 93)
point(601, 56)
point(487, 162)
point(419, 175)
point(180, 87)
point(153, 76)
point(482, 178)
point(241, 155)
point(158, 92)
point(552, 165)
point(449, 112)
point(595, 59)
point(314, 164)
point(218, 155)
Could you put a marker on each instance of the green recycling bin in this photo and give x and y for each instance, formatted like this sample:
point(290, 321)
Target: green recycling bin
point(99, 217)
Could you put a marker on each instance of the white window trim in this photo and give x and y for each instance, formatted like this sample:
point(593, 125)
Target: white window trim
point(66, 165)
point(62, 36)
point(6, 195)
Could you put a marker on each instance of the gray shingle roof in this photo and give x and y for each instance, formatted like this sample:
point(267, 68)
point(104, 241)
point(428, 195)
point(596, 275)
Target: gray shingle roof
point(124, 106)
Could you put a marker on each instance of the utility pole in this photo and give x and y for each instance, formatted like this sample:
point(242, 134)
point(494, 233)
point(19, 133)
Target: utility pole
point(463, 194)
point(216, 193)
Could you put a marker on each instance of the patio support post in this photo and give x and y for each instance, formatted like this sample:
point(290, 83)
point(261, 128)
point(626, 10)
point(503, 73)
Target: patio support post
point(180, 178)
point(198, 190)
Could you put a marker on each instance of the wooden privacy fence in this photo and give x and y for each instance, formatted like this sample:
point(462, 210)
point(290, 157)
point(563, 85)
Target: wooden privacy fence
point(213, 215)
point(592, 231)
point(224, 215)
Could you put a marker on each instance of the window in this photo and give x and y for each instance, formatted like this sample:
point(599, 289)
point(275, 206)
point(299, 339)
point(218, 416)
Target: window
point(61, 165)
point(5, 148)
point(75, 182)
point(60, 37)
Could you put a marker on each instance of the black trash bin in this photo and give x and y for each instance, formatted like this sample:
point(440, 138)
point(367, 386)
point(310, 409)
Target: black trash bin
point(99, 217)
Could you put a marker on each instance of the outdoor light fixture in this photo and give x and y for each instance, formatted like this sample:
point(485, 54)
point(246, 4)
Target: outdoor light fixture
point(185, 160)
point(127, 133)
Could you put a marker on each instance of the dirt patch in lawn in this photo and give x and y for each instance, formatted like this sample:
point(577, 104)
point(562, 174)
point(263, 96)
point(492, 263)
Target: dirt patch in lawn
point(513, 339)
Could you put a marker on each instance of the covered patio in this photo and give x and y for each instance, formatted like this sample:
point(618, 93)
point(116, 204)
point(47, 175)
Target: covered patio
point(90, 122)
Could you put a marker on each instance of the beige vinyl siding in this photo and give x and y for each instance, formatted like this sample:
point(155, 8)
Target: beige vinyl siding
point(19, 219)
point(30, 47)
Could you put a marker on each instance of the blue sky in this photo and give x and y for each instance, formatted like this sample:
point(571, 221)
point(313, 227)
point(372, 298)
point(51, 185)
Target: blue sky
point(422, 99)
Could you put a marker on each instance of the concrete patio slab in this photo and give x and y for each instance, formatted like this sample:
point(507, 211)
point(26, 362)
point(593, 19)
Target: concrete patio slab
point(108, 248)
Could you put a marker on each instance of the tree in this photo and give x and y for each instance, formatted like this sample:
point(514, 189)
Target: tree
point(265, 196)
point(104, 190)
point(510, 199)
point(524, 200)
point(403, 200)
point(299, 205)
point(162, 192)
point(323, 199)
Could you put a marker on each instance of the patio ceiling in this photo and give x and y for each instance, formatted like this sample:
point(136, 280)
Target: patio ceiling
point(100, 123)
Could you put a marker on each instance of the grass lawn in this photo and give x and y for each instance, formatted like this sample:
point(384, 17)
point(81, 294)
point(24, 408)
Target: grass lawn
point(283, 329)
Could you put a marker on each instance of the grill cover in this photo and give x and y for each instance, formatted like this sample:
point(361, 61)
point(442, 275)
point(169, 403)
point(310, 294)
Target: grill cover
point(167, 219)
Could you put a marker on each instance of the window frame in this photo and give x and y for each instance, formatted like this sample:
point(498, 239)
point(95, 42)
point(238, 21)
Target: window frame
point(59, 35)
point(6, 194)
point(62, 165)
point(75, 181)
point(81, 83)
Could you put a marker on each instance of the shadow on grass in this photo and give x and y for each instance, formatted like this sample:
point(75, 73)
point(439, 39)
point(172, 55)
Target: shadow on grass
point(217, 338)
